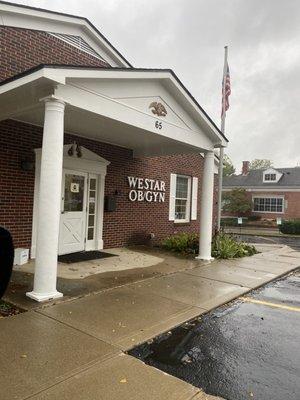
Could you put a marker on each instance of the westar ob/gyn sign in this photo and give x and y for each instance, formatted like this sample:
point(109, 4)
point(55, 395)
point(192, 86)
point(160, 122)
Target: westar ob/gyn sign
point(144, 189)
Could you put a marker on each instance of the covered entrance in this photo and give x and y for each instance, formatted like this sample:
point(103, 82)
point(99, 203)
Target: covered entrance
point(81, 201)
point(149, 112)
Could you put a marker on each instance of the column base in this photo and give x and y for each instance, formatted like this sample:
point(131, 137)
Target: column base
point(204, 258)
point(40, 297)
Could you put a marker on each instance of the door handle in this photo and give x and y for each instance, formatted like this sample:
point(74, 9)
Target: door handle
point(62, 212)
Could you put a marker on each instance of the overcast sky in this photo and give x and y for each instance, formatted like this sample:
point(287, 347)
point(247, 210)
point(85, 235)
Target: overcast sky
point(189, 35)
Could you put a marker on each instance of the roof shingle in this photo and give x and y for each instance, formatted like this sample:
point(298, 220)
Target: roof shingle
point(290, 177)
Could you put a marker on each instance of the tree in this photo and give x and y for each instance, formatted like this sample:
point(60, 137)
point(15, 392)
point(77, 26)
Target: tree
point(260, 164)
point(236, 202)
point(228, 167)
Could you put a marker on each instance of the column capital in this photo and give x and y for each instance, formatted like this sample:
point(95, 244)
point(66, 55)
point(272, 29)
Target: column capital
point(53, 100)
point(209, 153)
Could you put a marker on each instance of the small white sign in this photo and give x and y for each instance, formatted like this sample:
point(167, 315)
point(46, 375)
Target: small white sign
point(74, 187)
point(279, 221)
point(240, 221)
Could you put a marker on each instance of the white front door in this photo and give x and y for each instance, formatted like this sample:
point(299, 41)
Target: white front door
point(72, 235)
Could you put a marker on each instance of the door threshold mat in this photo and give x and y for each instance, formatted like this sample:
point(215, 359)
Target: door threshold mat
point(83, 256)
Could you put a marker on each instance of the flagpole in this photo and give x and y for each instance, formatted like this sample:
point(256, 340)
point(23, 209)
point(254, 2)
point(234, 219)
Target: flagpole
point(221, 155)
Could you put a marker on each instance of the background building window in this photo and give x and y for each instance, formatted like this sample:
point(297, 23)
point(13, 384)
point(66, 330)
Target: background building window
point(268, 204)
point(270, 177)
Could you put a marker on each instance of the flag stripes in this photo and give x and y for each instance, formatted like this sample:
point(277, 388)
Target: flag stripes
point(226, 90)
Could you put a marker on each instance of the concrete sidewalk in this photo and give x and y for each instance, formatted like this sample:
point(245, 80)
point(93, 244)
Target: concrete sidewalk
point(75, 349)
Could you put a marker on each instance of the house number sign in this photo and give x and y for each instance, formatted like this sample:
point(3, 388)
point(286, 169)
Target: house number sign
point(144, 189)
point(74, 187)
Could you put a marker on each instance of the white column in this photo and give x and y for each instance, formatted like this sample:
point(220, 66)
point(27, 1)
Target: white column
point(45, 275)
point(206, 213)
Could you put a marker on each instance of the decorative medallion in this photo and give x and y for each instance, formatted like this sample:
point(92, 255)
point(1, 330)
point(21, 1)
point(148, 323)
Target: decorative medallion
point(158, 109)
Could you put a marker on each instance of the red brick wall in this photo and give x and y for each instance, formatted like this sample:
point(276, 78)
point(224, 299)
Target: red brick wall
point(292, 199)
point(132, 222)
point(22, 49)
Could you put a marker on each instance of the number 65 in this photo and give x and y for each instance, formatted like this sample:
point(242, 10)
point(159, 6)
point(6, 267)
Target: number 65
point(158, 125)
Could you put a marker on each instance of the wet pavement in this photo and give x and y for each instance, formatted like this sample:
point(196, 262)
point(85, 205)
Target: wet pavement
point(293, 242)
point(246, 349)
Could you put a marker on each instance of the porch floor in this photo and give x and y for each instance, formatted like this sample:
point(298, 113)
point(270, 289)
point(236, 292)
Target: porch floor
point(80, 279)
point(124, 259)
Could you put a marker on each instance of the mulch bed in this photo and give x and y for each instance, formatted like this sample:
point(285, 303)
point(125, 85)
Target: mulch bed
point(7, 309)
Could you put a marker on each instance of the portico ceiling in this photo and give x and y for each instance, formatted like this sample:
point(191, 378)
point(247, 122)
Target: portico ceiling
point(114, 106)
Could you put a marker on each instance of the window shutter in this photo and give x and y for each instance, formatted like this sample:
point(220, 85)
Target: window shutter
point(194, 198)
point(172, 197)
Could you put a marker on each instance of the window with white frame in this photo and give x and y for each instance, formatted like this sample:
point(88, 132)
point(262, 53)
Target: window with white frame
point(183, 198)
point(268, 204)
point(270, 177)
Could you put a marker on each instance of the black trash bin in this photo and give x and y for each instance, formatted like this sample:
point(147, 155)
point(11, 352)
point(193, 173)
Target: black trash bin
point(6, 259)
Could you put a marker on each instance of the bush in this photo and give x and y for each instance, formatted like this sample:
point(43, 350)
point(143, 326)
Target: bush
point(225, 246)
point(254, 218)
point(290, 227)
point(182, 243)
point(231, 221)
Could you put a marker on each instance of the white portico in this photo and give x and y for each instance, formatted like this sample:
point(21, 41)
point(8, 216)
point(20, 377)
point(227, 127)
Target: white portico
point(148, 111)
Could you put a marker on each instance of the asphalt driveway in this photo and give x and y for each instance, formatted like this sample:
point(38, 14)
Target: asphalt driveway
point(246, 349)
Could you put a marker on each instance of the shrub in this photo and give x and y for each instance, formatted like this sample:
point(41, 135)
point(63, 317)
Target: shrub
point(182, 243)
point(290, 227)
point(225, 246)
point(254, 218)
point(231, 221)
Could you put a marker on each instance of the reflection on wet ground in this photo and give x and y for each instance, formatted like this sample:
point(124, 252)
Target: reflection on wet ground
point(293, 242)
point(239, 351)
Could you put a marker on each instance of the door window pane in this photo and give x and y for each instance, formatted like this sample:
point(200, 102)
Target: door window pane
point(92, 184)
point(90, 234)
point(74, 192)
point(91, 220)
point(92, 206)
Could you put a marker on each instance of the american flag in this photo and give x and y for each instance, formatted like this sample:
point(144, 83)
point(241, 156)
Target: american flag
point(226, 90)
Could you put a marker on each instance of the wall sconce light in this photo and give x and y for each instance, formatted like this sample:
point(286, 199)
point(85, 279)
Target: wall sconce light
point(71, 151)
point(77, 150)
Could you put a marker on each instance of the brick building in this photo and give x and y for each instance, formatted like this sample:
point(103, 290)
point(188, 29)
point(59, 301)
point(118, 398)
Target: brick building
point(94, 153)
point(273, 192)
